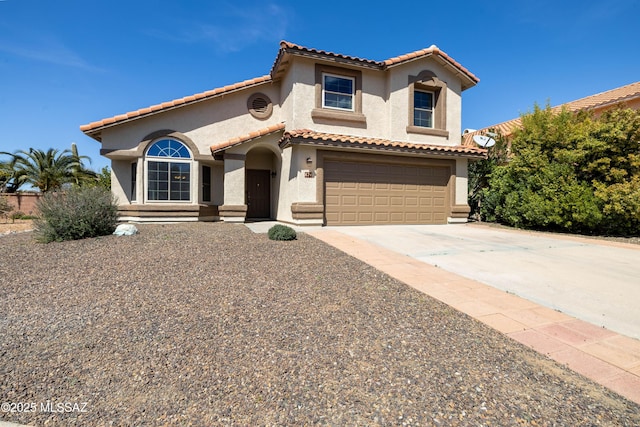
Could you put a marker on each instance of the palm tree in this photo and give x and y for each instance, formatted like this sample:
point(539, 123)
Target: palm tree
point(9, 181)
point(45, 170)
point(79, 173)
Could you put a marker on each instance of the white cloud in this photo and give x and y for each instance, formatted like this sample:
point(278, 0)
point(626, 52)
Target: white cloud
point(45, 49)
point(233, 28)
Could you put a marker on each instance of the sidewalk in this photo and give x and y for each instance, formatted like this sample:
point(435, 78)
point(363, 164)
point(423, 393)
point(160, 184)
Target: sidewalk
point(604, 356)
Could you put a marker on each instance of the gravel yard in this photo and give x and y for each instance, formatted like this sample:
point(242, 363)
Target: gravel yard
point(210, 324)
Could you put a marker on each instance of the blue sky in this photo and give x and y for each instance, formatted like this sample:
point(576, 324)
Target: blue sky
point(67, 63)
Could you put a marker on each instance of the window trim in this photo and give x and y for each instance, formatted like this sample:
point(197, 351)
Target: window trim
point(169, 160)
point(428, 81)
point(431, 110)
point(321, 113)
point(325, 91)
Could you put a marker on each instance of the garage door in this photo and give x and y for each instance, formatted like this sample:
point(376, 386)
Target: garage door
point(358, 193)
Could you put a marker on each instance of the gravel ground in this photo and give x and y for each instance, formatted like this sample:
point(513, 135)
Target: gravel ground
point(210, 324)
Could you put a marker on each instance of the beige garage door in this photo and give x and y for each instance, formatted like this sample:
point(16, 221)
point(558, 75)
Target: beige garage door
point(380, 193)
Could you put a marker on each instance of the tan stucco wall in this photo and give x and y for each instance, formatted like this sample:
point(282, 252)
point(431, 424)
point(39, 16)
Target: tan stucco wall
point(283, 210)
point(462, 190)
point(205, 123)
point(385, 102)
point(121, 180)
point(234, 182)
point(262, 153)
point(399, 103)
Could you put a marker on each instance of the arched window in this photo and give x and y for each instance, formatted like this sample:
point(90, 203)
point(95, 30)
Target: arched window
point(168, 171)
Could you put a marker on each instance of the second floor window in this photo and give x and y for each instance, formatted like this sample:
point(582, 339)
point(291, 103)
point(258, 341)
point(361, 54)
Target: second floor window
point(337, 92)
point(423, 109)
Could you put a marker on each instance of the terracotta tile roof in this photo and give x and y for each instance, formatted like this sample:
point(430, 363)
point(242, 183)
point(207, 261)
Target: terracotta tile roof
point(433, 50)
point(95, 127)
point(292, 47)
point(288, 47)
point(598, 101)
point(330, 139)
point(609, 97)
point(216, 148)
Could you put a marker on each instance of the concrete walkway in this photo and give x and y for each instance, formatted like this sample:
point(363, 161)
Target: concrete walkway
point(600, 354)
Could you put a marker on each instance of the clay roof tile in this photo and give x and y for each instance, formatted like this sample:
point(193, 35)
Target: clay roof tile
point(598, 101)
point(223, 145)
point(94, 127)
point(359, 142)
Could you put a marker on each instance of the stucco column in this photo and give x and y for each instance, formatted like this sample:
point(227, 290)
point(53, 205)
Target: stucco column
point(460, 207)
point(234, 208)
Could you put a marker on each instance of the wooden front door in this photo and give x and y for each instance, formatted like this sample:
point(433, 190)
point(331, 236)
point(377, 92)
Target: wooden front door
point(258, 193)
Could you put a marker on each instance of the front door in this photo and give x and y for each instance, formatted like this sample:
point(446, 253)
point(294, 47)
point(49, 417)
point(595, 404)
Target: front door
point(258, 193)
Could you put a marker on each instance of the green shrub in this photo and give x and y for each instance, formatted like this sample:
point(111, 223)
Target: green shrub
point(17, 215)
point(569, 172)
point(5, 206)
point(282, 232)
point(75, 214)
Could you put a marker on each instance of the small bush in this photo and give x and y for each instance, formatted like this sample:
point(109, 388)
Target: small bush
point(17, 215)
point(282, 232)
point(76, 214)
point(5, 206)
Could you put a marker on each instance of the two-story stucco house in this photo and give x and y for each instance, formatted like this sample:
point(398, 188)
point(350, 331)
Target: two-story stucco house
point(324, 138)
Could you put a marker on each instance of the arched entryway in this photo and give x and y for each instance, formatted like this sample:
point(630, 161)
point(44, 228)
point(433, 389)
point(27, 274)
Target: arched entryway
point(260, 183)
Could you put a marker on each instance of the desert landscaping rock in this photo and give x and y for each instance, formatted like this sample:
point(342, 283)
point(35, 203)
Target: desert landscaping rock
point(125, 230)
point(211, 324)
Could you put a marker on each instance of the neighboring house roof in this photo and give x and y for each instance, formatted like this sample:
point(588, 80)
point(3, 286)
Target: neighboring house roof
point(597, 102)
point(94, 129)
point(348, 141)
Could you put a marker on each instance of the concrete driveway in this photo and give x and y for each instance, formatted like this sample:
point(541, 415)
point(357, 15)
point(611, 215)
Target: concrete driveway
point(597, 282)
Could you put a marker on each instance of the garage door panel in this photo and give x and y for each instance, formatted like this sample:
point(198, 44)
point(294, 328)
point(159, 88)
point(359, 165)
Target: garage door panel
point(380, 193)
point(365, 217)
point(349, 200)
point(332, 200)
point(426, 202)
point(366, 186)
point(349, 185)
point(397, 201)
point(411, 201)
point(382, 201)
point(365, 200)
point(411, 217)
point(381, 217)
point(382, 186)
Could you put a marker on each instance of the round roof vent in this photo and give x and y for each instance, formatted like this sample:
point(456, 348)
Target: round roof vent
point(260, 106)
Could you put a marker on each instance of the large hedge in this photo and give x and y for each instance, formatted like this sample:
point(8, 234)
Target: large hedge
point(570, 172)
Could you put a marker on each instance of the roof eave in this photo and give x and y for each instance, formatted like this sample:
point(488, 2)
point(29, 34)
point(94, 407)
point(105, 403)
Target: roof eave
point(216, 149)
point(287, 49)
point(96, 132)
point(288, 140)
point(466, 77)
